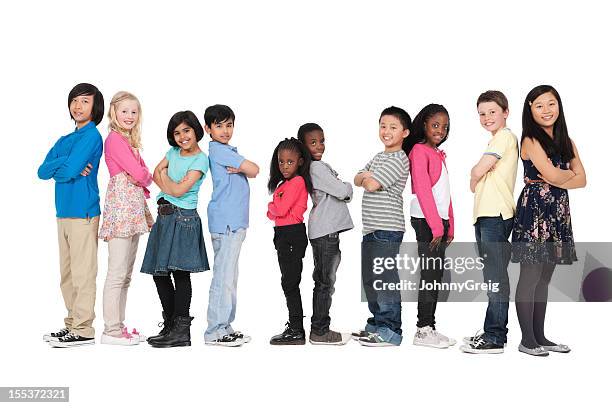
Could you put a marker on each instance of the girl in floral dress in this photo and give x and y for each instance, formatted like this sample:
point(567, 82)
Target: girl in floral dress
point(126, 215)
point(542, 234)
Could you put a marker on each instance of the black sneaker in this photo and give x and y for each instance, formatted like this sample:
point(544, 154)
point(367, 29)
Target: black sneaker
point(482, 346)
point(289, 337)
point(226, 341)
point(475, 338)
point(61, 333)
point(72, 340)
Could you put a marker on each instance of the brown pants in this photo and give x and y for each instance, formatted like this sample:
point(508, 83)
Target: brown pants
point(78, 250)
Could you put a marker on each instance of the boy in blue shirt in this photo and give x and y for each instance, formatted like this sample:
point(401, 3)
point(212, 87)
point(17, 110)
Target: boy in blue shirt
point(73, 163)
point(228, 219)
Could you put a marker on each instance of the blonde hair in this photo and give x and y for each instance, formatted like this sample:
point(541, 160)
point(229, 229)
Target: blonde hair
point(132, 135)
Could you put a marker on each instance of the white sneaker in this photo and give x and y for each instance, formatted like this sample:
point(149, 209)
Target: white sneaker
point(426, 336)
point(126, 339)
point(449, 340)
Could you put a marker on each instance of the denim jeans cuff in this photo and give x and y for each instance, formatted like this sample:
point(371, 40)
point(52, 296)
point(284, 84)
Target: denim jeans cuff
point(389, 336)
point(494, 339)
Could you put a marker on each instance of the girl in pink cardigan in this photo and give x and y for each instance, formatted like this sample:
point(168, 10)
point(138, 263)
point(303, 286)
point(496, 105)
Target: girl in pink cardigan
point(431, 214)
point(126, 215)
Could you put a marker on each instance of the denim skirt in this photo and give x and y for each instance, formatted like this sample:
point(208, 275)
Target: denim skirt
point(175, 243)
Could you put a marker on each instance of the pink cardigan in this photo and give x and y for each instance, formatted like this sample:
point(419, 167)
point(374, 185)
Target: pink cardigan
point(289, 202)
point(120, 156)
point(426, 166)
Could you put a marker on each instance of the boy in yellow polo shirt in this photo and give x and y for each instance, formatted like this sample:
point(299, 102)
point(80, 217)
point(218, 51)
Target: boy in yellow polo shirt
point(492, 182)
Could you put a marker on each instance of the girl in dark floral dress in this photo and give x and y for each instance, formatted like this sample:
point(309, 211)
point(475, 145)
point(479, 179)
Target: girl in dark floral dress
point(542, 235)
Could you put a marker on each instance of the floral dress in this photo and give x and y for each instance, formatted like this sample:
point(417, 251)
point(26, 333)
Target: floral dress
point(125, 210)
point(542, 231)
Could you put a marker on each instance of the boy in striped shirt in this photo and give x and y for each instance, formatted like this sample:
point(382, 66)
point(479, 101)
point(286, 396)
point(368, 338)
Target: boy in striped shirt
point(384, 179)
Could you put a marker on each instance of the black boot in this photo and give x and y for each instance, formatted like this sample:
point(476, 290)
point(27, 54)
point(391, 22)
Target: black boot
point(178, 336)
point(165, 328)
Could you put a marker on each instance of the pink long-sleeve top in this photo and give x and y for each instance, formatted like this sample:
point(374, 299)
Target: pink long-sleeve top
point(431, 187)
point(289, 202)
point(120, 156)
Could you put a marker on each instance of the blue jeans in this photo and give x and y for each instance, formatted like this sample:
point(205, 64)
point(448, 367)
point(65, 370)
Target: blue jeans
point(386, 308)
point(222, 295)
point(492, 235)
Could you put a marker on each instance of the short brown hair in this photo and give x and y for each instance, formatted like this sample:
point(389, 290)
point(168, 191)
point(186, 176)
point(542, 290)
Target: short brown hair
point(493, 96)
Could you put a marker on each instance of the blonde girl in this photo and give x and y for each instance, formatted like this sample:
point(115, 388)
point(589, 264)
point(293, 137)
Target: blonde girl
point(126, 215)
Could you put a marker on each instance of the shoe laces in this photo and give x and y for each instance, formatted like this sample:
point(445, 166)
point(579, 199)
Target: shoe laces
point(69, 336)
point(125, 334)
point(477, 336)
point(480, 341)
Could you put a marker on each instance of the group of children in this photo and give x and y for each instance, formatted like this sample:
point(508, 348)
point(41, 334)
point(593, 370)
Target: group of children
point(541, 228)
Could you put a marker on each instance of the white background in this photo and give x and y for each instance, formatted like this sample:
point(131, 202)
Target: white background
point(278, 65)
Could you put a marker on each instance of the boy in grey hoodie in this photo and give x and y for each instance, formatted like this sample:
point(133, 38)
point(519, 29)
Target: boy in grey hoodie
point(328, 218)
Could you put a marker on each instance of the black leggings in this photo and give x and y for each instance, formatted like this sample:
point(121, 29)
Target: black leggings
point(531, 300)
point(175, 301)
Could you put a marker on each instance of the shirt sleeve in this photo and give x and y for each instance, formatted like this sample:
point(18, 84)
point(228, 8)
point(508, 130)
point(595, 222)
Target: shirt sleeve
point(51, 163)
point(200, 164)
point(225, 156)
point(367, 166)
point(497, 146)
point(389, 172)
point(121, 153)
point(86, 149)
point(280, 206)
point(324, 180)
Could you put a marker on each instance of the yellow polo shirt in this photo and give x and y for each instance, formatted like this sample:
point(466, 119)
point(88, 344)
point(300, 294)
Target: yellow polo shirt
point(494, 194)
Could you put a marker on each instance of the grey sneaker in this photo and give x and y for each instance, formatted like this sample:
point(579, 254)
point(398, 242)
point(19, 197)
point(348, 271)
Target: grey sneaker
point(536, 351)
point(356, 335)
point(331, 338)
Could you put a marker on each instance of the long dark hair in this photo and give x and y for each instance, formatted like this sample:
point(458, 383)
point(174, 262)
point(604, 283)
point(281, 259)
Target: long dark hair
point(276, 176)
point(417, 131)
point(560, 143)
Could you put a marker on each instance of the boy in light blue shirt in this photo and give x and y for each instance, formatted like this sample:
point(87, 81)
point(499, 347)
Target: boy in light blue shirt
point(228, 219)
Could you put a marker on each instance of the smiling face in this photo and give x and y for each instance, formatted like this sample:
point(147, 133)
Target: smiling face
point(391, 133)
point(185, 137)
point(289, 162)
point(221, 132)
point(127, 113)
point(492, 116)
point(80, 109)
point(315, 142)
point(436, 128)
point(545, 111)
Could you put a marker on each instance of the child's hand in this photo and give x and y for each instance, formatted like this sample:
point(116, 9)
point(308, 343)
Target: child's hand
point(367, 174)
point(86, 170)
point(232, 170)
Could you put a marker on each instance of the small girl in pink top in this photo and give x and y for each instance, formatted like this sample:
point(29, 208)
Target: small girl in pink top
point(126, 215)
point(431, 214)
point(290, 166)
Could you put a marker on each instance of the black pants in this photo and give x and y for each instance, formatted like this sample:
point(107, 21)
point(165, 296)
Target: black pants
point(326, 254)
point(531, 301)
point(432, 270)
point(175, 299)
point(290, 242)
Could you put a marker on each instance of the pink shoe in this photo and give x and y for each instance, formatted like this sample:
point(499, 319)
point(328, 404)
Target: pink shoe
point(140, 337)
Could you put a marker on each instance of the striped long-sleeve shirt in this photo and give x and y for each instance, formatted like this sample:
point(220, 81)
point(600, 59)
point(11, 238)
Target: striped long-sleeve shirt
point(384, 209)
